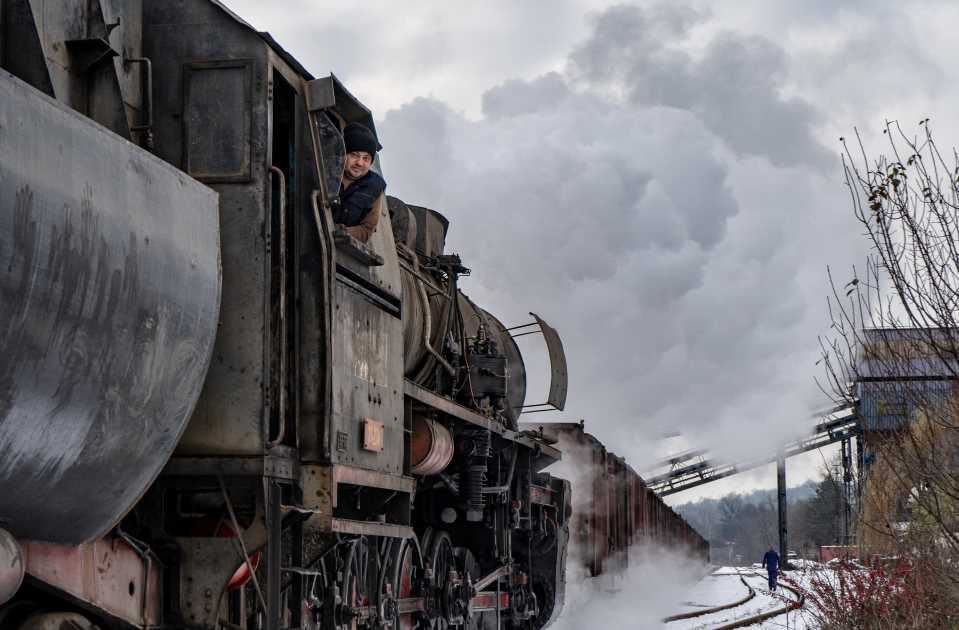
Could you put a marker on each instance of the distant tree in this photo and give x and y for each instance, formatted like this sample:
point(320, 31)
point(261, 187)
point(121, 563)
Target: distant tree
point(816, 521)
point(731, 516)
point(747, 521)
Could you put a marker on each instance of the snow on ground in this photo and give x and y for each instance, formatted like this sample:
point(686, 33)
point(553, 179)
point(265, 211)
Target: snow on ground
point(638, 600)
point(724, 586)
point(658, 585)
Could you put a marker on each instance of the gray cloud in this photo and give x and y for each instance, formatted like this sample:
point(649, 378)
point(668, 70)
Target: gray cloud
point(515, 97)
point(665, 247)
point(735, 87)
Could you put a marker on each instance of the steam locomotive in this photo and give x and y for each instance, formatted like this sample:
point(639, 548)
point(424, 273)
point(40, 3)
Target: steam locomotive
point(217, 410)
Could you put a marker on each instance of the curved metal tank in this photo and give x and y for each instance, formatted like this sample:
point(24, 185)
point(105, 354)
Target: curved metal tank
point(109, 299)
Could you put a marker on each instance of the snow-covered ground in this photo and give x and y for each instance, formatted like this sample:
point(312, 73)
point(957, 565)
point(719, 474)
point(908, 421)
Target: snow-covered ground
point(659, 584)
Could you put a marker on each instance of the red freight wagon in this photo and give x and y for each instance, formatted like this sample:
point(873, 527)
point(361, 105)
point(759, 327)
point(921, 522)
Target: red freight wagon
point(613, 509)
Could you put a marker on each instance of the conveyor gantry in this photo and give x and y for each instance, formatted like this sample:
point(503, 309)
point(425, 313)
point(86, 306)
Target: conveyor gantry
point(842, 424)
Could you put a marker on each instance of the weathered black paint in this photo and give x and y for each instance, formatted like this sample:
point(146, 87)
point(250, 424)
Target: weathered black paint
point(109, 296)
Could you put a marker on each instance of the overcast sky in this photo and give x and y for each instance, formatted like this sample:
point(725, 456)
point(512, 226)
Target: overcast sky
point(658, 180)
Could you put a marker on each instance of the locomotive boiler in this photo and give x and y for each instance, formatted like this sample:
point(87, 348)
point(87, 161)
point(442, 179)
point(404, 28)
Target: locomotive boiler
point(216, 409)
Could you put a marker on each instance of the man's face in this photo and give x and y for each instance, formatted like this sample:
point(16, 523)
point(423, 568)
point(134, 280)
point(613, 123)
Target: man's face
point(358, 164)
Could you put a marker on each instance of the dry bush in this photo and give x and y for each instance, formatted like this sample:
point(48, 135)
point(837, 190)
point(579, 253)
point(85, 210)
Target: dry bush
point(853, 598)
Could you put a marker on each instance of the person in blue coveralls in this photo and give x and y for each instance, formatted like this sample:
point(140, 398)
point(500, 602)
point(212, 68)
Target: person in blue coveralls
point(771, 564)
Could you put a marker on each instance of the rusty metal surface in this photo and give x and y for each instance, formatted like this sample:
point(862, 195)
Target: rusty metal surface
point(486, 601)
point(451, 407)
point(516, 368)
point(372, 479)
point(268, 465)
point(206, 566)
point(107, 574)
point(217, 118)
point(367, 379)
point(11, 566)
point(547, 454)
point(431, 446)
point(320, 484)
point(237, 395)
point(379, 266)
point(74, 51)
point(22, 46)
point(417, 319)
point(109, 298)
point(540, 495)
point(367, 528)
point(559, 375)
point(431, 231)
point(57, 621)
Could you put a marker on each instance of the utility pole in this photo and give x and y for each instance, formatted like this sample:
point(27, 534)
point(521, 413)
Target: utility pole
point(781, 483)
point(846, 491)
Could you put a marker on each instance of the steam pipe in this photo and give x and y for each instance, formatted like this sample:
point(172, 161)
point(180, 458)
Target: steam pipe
point(148, 126)
point(428, 326)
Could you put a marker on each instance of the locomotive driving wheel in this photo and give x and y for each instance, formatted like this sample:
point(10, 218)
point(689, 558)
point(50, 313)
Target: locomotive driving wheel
point(449, 589)
point(354, 589)
point(469, 566)
point(404, 567)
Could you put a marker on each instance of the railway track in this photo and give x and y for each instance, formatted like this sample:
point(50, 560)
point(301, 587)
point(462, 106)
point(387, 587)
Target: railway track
point(726, 617)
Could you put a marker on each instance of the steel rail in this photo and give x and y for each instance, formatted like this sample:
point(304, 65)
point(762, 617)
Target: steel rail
point(744, 621)
point(708, 611)
point(769, 614)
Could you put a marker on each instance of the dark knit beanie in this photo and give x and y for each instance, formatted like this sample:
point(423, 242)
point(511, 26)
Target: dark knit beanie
point(358, 137)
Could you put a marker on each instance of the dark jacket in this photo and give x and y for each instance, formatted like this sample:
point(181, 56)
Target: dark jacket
point(357, 204)
point(771, 561)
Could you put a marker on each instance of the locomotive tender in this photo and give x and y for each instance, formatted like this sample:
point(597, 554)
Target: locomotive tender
point(216, 409)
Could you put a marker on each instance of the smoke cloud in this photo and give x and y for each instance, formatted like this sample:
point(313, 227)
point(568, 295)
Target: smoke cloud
point(653, 587)
point(657, 209)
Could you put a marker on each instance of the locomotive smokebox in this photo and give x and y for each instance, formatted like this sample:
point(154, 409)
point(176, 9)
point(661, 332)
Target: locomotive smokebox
point(11, 566)
point(109, 299)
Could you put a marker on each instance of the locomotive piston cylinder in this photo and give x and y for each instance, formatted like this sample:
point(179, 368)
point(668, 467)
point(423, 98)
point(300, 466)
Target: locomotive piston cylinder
point(11, 566)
